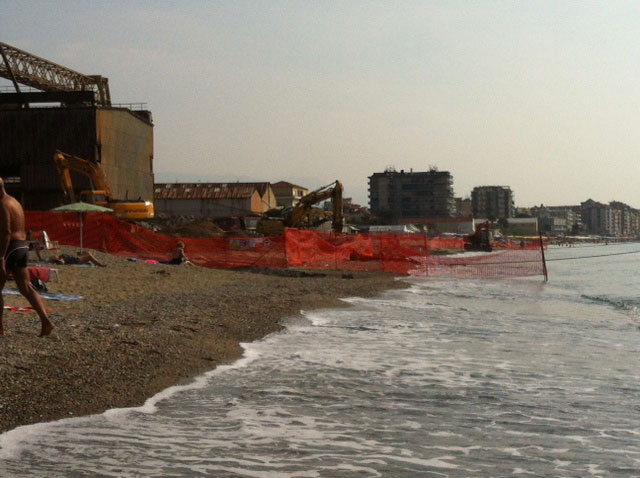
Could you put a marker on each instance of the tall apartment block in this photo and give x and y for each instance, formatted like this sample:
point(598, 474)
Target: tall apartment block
point(492, 202)
point(400, 195)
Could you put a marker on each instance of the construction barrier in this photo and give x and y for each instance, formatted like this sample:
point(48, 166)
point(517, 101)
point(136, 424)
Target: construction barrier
point(402, 254)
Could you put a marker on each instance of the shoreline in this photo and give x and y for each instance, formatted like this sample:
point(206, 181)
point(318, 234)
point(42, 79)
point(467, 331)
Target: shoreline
point(142, 328)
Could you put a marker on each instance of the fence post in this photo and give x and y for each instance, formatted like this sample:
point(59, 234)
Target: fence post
point(284, 245)
point(335, 239)
point(426, 255)
point(544, 262)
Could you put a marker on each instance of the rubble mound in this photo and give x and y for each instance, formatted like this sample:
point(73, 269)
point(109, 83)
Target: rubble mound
point(183, 226)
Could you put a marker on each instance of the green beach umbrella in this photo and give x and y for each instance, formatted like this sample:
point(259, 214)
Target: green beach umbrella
point(81, 208)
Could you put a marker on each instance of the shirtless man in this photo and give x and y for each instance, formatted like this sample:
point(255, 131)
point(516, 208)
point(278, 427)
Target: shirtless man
point(13, 254)
point(81, 258)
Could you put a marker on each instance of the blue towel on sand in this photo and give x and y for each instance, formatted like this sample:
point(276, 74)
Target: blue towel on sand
point(46, 295)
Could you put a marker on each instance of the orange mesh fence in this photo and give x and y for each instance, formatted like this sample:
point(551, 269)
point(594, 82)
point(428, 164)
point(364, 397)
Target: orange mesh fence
point(108, 234)
point(402, 254)
point(533, 245)
point(395, 253)
point(445, 243)
point(519, 262)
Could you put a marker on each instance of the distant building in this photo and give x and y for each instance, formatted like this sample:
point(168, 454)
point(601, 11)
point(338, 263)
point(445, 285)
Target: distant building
point(396, 228)
point(288, 194)
point(267, 195)
point(600, 218)
point(213, 200)
point(514, 226)
point(72, 113)
point(522, 212)
point(521, 226)
point(629, 224)
point(495, 202)
point(440, 225)
point(396, 195)
point(355, 213)
point(559, 220)
point(463, 207)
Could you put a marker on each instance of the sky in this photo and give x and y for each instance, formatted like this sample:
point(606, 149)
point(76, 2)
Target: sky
point(540, 96)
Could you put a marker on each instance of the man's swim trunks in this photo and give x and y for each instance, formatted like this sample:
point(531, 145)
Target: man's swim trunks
point(70, 260)
point(174, 262)
point(16, 256)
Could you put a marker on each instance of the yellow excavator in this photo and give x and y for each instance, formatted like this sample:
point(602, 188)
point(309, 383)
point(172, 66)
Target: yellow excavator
point(304, 215)
point(101, 195)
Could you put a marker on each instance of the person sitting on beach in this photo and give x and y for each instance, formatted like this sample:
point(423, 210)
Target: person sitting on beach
point(36, 246)
point(14, 249)
point(178, 256)
point(84, 258)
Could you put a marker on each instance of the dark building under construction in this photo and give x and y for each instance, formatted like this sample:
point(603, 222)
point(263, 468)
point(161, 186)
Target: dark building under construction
point(65, 110)
point(492, 202)
point(399, 195)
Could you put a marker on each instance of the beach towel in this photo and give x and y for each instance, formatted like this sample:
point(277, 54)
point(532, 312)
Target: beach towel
point(46, 295)
point(42, 273)
point(37, 272)
point(22, 309)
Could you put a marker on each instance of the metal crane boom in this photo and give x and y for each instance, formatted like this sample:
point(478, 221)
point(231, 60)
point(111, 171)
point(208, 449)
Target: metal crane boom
point(30, 70)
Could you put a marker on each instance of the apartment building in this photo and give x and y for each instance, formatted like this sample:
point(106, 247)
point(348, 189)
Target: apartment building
point(463, 207)
point(288, 194)
point(494, 202)
point(559, 220)
point(601, 218)
point(629, 218)
point(396, 195)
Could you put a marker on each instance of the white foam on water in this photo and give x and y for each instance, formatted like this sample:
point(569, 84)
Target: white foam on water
point(593, 469)
point(522, 471)
point(438, 462)
point(13, 441)
point(495, 377)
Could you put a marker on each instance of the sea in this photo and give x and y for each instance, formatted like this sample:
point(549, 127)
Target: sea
point(447, 378)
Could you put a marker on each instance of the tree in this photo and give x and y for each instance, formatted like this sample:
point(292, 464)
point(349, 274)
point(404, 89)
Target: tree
point(503, 223)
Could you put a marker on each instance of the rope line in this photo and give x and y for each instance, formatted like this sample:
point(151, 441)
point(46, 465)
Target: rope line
point(532, 261)
point(586, 246)
point(590, 257)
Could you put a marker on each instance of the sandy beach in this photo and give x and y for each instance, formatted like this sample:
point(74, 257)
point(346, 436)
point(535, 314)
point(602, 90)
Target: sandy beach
point(141, 328)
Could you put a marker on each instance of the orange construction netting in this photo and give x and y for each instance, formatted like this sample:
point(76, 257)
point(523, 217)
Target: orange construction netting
point(402, 254)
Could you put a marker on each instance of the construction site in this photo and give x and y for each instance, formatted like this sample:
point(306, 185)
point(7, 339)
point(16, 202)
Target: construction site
point(49, 108)
point(63, 141)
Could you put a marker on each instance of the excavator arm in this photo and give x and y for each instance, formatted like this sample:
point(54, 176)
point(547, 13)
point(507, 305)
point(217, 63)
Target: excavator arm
point(66, 163)
point(101, 192)
point(65, 181)
point(297, 217)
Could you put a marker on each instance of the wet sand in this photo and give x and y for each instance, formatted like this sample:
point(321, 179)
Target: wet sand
point(141, 328)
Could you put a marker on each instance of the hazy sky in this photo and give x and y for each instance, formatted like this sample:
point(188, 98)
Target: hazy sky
point(541, 96)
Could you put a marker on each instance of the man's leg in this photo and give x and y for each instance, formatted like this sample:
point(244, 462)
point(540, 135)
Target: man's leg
point(3, 280)
point(22, 281)
point(37, 248)
point(89, 258)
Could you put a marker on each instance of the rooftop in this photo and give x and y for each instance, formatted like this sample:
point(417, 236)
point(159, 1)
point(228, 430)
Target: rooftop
point(203, 190)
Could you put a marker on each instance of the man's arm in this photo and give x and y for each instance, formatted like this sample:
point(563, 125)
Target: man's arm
point(5, 231)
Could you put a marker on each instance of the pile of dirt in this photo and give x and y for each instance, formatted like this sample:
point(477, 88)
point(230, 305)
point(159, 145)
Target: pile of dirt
point(183, 226)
